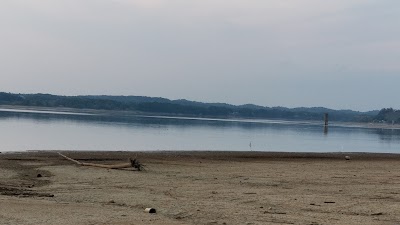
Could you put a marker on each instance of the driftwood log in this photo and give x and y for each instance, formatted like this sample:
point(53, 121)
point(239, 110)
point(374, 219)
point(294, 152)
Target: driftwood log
point(133, 163)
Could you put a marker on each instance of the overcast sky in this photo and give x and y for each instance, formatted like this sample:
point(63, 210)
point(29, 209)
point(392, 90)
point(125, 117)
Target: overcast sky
point(342, 54)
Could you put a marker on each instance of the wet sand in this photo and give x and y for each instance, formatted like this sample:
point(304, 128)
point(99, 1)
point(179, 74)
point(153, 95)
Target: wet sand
point(200, 188)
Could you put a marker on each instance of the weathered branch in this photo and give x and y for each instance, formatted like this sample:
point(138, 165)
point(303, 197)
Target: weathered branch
point(133, 163)
point(72, 160)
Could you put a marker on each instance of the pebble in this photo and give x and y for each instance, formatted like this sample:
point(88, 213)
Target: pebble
point(150, 210)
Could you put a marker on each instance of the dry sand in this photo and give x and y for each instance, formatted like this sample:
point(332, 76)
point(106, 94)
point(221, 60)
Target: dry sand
point(200, 188)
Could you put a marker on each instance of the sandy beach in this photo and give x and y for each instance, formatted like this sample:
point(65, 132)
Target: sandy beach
point(200, 188)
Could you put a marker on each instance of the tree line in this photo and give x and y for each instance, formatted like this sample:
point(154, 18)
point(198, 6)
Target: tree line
point(162, 106)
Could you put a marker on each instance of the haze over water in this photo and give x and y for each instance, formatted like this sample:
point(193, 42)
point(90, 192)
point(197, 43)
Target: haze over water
point(27, 130)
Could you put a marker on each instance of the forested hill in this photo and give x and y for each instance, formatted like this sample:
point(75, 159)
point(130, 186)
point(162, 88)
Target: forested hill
point(163, 106)
point(388, 115)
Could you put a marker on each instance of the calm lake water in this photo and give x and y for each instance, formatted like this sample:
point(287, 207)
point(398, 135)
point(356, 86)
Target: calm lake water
point(33, 130)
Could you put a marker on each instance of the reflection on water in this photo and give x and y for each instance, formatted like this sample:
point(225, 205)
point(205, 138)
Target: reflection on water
point(388, 135)
point(27, 130)
point(326, 129)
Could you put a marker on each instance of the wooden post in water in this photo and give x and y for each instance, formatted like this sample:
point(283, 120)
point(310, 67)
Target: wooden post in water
point(326, 119)
point(326, 123)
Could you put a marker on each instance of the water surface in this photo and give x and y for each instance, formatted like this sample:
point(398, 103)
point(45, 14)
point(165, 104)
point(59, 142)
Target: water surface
point(31, 130)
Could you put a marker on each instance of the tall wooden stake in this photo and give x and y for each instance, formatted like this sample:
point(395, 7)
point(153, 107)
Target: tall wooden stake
point(326, 124)
point(326, 119)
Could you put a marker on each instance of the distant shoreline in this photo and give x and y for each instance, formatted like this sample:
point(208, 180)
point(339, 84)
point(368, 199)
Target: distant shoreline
point(159, 106)
point(117, 113)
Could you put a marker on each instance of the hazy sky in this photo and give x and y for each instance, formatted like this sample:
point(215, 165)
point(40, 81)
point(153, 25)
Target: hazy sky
point(338, 54)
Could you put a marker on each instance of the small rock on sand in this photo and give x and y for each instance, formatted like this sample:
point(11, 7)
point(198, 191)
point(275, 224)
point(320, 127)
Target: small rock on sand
point(150, 210)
